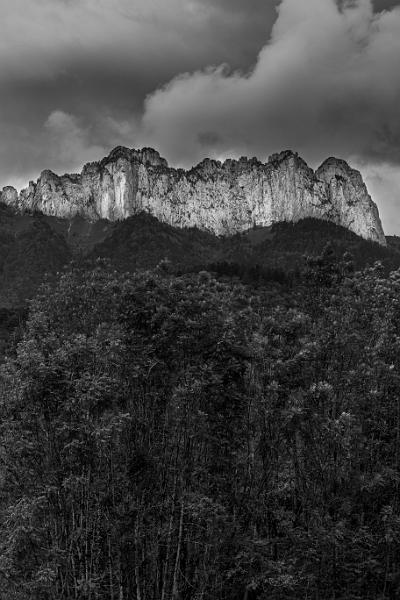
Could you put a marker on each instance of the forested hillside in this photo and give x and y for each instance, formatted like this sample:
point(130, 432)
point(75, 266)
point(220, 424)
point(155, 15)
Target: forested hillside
point(34, 247)
point(188, 436)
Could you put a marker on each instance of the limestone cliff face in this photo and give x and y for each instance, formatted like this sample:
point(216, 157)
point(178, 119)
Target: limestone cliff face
point(224, 198)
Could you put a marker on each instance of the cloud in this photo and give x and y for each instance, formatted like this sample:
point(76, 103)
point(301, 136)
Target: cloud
point(63, 144)
point(96, 60)
point(326, 83)
point(380, 5)
point(69, 140)
point(48, 39)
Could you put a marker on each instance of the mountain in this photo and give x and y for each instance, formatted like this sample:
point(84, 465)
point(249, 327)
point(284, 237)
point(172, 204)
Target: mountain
point(221, 198)
point(135, 211)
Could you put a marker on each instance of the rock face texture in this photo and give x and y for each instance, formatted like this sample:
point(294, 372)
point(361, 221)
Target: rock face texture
point(224, 198)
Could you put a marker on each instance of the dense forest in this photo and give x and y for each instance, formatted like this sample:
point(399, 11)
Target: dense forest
point(205, 435)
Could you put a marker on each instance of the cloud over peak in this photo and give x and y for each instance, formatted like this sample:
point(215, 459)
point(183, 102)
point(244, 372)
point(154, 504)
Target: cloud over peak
point(327, 82)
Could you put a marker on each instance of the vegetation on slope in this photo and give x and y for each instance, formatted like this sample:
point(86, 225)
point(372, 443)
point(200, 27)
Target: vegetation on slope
point(172, 437)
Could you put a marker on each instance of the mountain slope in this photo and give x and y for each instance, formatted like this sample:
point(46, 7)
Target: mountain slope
point(34, 244)
point(142, 242)
point(29, 248)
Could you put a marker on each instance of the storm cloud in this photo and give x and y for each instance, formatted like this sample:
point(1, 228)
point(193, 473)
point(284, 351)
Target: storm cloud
point(326, 83)
point(196, 78)
point(95, 61)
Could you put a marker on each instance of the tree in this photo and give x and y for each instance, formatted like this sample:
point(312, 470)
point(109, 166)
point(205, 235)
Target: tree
point(114, 417)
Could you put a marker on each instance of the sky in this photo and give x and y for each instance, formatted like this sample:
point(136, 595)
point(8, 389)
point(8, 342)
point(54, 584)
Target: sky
point(197, 78)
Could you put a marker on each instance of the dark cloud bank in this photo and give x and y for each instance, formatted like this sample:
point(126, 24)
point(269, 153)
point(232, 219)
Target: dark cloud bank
point(202, 77)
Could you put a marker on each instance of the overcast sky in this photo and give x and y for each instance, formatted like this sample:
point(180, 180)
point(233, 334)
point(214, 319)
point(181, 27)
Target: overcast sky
point(196, 78)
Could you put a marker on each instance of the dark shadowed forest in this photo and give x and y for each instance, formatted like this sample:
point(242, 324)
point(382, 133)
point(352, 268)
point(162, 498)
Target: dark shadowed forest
point(198, 436)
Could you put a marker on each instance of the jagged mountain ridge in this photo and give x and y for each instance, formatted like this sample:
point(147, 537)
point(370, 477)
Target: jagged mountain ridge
point(223, 198)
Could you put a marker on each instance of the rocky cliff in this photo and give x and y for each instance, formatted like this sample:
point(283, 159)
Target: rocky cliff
point(220, 197)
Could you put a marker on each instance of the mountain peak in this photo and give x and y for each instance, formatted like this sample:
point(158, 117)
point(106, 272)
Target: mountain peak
point(147, 156)
point(223, 198)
